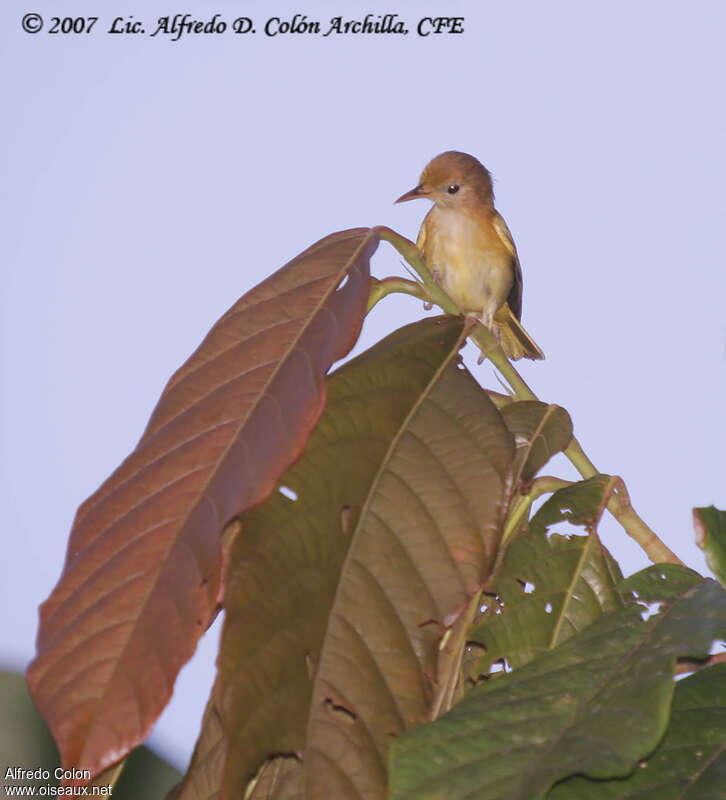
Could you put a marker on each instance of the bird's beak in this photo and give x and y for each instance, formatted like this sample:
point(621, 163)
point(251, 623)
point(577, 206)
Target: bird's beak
point(418, 191)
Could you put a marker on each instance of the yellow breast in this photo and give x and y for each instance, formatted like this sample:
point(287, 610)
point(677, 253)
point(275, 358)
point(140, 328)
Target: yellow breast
point(474, 266)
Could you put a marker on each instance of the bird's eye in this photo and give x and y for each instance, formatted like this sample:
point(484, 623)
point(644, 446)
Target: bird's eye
point(453, 188)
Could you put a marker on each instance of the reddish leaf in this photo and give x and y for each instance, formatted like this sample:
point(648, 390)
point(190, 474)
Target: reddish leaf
point(142, 574)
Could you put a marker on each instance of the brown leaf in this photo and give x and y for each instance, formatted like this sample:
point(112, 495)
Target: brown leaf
point(204, 776)
point(540, 431)
point(279, 779)
point(142, 574)
point(345, 581)
point(424, 544)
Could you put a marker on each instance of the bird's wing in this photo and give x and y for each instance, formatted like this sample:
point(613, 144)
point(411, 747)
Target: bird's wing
point(421, 239)
point(515, 295)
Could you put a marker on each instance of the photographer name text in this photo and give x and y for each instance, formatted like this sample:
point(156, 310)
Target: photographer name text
point(175, 27)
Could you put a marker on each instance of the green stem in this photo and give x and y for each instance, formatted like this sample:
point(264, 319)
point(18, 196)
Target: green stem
point(484, 338)
point(379, 289)
point(544, 485)
point(451, 652)
point(619, 504)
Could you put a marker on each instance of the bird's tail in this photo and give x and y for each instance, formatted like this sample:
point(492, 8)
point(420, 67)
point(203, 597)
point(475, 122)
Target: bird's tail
point(513, 338)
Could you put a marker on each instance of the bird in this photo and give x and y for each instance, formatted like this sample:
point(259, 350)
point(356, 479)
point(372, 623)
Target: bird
point(469, 250)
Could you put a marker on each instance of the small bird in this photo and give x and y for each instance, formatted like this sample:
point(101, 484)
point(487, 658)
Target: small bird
point(468, 248)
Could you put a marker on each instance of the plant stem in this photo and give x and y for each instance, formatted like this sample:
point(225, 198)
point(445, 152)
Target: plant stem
point(451, 653)
point(379, 289)
point(540, 486)
point(619, 504)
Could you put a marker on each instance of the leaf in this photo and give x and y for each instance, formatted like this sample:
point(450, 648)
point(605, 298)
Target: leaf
point(540, 431)
point(549, 586)
point(145, 774)
point(204, 776)
point(690, 762)
point(346, 579)
point(581, 503)
point(279, 778)
point(595, 705)
point(659, 583)
point(710, 526)
point(25, 740)
point(142, 574)
point(26, 744)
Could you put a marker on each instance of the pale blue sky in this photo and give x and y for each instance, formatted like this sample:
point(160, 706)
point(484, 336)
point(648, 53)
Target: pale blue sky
point(147, 184)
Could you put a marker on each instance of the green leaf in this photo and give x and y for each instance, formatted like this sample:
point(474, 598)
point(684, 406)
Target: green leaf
point(710, 525)
point(659, 583)
point(582, 503)
point(540, 431)
point(343, 583)
point(550, 586)
point(549, 589)
point(690, 762)
point(596, 705)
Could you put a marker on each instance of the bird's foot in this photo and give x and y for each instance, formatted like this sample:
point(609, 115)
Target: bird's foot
point(487, 320)
point(470, 321)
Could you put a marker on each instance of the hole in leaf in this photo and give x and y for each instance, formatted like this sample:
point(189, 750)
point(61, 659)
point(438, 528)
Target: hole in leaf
point(650, 610)
point(278, 766)
point(288, 492)
point(500, 666)
point(527, 586)
point(548, 608)
point(342, 283)
point(341, 713)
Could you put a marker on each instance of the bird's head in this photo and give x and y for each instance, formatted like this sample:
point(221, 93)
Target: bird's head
point(453, 180)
